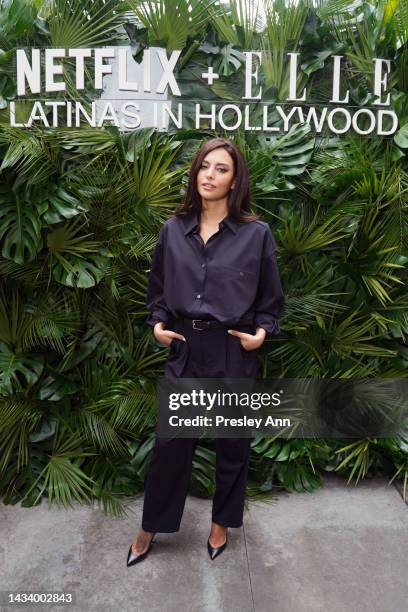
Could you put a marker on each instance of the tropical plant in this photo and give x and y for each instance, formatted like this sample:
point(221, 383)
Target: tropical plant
point(80, 212)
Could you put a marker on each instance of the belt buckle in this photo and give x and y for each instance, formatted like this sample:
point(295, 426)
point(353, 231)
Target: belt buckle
point(200, 321)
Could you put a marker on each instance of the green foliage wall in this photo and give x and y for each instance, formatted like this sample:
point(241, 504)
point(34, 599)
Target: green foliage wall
point(80, 211)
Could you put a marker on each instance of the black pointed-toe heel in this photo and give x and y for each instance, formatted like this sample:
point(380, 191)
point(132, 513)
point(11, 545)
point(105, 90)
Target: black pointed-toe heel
point(133, 559)
point(214, 551)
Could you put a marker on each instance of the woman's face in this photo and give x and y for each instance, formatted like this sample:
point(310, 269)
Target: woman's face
point(216, 175)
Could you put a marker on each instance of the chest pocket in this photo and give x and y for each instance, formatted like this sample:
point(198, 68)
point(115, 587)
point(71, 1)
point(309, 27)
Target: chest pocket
point(232, 289)
point(237, 272)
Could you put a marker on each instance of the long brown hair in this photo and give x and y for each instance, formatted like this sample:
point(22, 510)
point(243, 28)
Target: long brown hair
point(238, 198)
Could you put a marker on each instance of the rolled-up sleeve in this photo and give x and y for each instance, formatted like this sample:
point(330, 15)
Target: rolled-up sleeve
point(155, 287)
point(269, 301)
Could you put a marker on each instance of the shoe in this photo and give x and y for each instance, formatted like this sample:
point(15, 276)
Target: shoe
point(214, 551)
point(133, 559)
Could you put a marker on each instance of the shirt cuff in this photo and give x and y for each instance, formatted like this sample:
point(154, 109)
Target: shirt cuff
point(157, 315)
point(271, 326)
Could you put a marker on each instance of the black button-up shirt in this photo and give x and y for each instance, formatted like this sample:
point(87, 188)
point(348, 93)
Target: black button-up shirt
point(232, 276)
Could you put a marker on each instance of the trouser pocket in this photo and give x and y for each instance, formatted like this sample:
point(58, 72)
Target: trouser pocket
point(179, 351)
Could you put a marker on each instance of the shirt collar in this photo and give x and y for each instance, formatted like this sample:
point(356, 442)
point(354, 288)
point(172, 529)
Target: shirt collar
point(191, 222)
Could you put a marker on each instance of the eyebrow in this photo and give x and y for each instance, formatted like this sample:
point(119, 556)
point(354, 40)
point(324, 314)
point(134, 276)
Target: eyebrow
point(219, 163)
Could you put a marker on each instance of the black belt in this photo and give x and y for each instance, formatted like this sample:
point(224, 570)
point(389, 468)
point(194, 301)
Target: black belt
point(201, 324)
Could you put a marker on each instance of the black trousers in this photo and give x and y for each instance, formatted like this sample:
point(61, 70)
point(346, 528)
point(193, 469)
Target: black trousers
point(209, 353)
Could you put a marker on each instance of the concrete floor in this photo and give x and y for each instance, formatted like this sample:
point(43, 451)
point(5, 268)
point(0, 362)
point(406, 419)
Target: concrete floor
point(341, 548)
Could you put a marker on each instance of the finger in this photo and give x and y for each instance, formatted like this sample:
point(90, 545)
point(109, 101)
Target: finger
point(240, 334)
point(247, 336)
point(235, 332)
point(172, 334)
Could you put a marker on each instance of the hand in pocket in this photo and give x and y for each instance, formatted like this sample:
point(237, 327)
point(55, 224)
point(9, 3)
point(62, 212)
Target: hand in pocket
point(250, 342)
point(165, 336)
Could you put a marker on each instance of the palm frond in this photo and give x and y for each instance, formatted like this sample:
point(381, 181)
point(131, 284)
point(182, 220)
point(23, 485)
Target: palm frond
point(83, 23)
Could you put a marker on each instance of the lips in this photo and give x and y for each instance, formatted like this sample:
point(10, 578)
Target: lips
point(208, 186)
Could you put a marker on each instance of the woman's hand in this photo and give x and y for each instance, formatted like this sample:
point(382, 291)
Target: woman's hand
point(165, 336)
point(250, 342)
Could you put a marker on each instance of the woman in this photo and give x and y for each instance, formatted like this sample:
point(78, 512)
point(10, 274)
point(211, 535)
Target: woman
point(214, 294)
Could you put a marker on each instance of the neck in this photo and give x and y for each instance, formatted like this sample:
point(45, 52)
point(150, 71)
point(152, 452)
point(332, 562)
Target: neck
point(214, 211)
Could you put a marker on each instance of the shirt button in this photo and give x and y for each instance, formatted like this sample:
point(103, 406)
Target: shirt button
point(241, 274)
point(203, 265)
point(198, 296)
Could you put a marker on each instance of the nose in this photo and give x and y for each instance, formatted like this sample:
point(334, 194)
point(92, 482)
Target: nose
point(209, 172)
